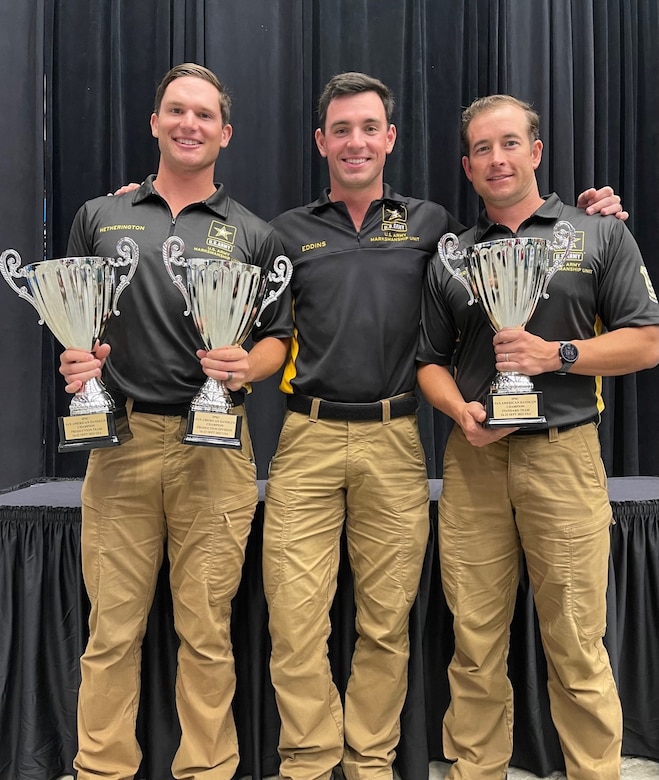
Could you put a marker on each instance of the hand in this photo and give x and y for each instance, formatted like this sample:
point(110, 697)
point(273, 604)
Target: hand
point(125, 189)
point(518, 350)
point(229, 365)
point(78, 366)
point(603, 201)
point(471, 421)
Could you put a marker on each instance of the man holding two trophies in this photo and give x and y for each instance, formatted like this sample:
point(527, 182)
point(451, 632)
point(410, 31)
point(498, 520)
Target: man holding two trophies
point(153, 487)
point(540, 490)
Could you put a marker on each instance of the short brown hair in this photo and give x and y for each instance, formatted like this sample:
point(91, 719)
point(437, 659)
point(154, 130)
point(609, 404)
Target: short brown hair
point(353, 83)
point(491, 102)
point(198, 72)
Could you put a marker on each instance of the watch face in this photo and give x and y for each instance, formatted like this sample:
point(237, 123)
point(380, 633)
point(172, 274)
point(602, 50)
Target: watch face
point(569, 353)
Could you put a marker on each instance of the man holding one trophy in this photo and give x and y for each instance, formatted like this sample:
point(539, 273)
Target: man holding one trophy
point(540, 490)
point(349, 452)
point(201, 499)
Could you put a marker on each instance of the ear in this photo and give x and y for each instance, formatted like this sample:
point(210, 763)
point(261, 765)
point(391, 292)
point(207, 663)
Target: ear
point(391, 138)
point(154, 125)
point(227, 132)
point(319, 137)
point(536, 153)
point(466, 167)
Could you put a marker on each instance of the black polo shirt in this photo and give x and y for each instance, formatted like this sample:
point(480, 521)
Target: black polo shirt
point(603, 284)
point(357, 295)
point(153, 344)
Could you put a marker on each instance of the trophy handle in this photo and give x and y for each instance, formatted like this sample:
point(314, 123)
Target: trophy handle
point(564, 234)
point(10, 261)
point(447, 246)
point(172, 251)
point(130, 254)
point(281, 274)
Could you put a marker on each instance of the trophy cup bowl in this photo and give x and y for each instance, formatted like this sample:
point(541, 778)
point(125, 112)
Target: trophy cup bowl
point(75, 297)
point(226, 298)
point(508, 277)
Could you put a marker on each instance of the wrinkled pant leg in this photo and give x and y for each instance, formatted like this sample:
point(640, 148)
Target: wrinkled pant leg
point(210, 499)
point(480, 562)
point(122, 547)
point(387, 530)
point(304, 516)
point(566, 539)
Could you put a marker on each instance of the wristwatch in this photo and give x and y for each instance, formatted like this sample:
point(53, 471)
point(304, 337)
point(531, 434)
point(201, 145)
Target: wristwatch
point(568, 353)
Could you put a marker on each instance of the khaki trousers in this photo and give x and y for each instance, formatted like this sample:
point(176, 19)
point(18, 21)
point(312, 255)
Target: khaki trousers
point(545, 495)
point(201, 500)
point(371, 477)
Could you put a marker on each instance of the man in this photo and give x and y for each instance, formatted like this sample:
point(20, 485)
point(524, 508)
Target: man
point(153, 487)
point(349, 452)
point(541, 492)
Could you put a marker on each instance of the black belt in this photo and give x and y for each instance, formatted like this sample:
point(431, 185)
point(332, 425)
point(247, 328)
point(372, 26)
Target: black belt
point(559, 429)
point(168, 410)
point(399, 406)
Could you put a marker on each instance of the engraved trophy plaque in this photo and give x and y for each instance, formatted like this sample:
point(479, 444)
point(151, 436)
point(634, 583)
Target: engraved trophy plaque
point(508, 277)
point(226, 298)
point(75, 297)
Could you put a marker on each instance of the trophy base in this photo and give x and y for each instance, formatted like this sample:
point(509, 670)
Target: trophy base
point(80, 432)
point(515, 410)
point(213, 429)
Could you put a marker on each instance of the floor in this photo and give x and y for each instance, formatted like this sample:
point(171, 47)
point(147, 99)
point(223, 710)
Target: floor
point(632, 769)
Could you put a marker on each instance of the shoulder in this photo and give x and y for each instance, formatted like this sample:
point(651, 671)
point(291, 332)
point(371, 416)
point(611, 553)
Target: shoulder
point(249, 221)
point(294, 225)
point(582, 221)
point(292, 216)
point(435, 216)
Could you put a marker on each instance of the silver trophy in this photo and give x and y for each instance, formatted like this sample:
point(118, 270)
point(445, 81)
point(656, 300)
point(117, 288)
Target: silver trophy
point(75, 297)
point(226, 298)
point(508, 277)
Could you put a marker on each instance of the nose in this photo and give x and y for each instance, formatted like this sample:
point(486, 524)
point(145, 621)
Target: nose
point(189, 119)
point(356, 138)
point(496, 156)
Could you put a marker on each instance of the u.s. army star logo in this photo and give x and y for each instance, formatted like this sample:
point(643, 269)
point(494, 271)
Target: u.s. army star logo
point(221, 235)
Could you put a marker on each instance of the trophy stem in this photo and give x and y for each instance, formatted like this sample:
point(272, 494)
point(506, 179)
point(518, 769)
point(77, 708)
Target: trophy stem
point(92, 398)
point(212, 397)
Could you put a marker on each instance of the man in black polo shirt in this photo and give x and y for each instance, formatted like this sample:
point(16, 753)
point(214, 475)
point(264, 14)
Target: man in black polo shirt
point(541, 492)
point(153, 487)
point(349, 451)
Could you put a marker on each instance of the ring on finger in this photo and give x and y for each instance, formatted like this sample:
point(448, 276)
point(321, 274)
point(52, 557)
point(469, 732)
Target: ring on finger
point(230, 376)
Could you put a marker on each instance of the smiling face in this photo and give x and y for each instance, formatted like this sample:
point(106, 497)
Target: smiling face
point(356, 141)
point(189, 126)
point(502, 157)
